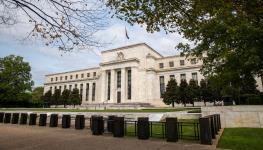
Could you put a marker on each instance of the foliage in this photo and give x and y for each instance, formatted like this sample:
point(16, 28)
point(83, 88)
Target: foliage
point(65, 97)
point(37, 94)
point(75, 97)
point(65, 24)
point(56, 97)
point(47, 98)
point(170, 96)
point(194, 93)
point(15, 80)
point(183, 92)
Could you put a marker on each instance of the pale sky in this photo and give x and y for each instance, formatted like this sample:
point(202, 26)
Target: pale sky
point(45, 60)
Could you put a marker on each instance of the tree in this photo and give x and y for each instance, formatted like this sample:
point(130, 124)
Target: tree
point(62, 23)
point(37, 96)
point(170, 96)
point(227, 35)
point(183, 92)
point(15, 80)
point(65, 97)
point(47, 98)
point(193, 89)
point(56, 97)
point(75, 97)
point(248, 84)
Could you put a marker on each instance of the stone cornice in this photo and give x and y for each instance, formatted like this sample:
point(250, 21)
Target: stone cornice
point(61, 73)
point(70, 81)
point(174, 69)
point(120, 61)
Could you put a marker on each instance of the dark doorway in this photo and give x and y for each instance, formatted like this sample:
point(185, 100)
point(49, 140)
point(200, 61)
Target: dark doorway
point(119, 97)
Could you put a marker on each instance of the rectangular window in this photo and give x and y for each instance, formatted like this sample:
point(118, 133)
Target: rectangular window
point(194, 76)
point(60, 78)
point(50, 89)
point(56, 78)
point(77, 76)
point(55, 87)
point(66, 77)
point(118, 79)
point(65, 87)
point(76, 86)
point(88, 75)
point(60, 88)
point(71, 76)
point(171, 64)
point(172, 77)
point(51, 79)
point(87, 91)
point(81, 91)
point(70, 87)
point(109, 80)
point(160, 65)
point(193, 61)
point(129, 84)
point(82, 75)
point(183, 76)
point(94, 74)
point(181, 62)
point(162, 85)
point(93, 91)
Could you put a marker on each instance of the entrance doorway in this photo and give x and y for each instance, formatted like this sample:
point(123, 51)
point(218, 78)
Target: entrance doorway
point(118, 97)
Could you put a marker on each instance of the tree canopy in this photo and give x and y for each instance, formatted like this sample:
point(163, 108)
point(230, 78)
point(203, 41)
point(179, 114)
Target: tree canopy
point(37, 95)
point(170, 96)
point(15, 80)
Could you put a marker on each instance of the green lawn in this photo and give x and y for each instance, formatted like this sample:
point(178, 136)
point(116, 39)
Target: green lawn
point(242, 139)
point(158, 129)
point(107, 110)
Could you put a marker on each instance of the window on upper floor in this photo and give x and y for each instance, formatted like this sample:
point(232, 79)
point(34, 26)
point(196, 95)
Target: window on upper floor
point(77, 76)
point(71, 76)
point(82, 75)
point(183, 76)
point(172, 77)
point(193, 61)
point(88, 75)
point(194, 76)
point(171, 64)
point(181, 62)
point(94, 74)
point(56, 78)
point(61, 78)
point(160, 65)
point(51, 79)
point(66, 77)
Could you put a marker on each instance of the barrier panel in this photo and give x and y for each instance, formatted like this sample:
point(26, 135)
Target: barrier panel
point(118, 127)
point(2, 117)
point(7, 118)
point(15, 118)
point(80, 122)
point(66, 119)
point(53, 120)
point(143, 128)
point(97, 125)
point(33, 119)
point(23, 118)
point(42, 119)
point(171, 131)
point(110, 123)
point(205, 130)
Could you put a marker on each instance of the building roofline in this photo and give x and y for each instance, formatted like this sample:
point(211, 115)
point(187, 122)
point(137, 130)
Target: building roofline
point(130, 46)
point(72, 71)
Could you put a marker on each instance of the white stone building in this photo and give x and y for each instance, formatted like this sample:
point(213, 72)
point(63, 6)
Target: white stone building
point(131, 74)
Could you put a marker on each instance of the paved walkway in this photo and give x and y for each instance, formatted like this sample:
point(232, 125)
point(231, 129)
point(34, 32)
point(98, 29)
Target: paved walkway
point(24, 137)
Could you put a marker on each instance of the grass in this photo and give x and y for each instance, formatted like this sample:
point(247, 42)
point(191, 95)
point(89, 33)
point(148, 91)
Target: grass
point(107, 110)
point(158, 129)
point(241, 139)
point(194, 111)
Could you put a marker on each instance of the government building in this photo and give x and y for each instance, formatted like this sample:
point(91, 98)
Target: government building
point(130, 74)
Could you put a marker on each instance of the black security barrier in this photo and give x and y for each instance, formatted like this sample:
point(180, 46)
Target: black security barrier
point(171, 130)
point(212, 126)
point(42, 119)
point(7, 118)
point(219, 121)
point(110, 123)
point(53, 120)
point(97, 125)
point(216, 123)
point(66, 119)
point(143, 128)
point(80, 122)
point(32, 119)
point(2, 117)
point(205, 130)
point(15, 118)
point(23, 118)
point(118, 127)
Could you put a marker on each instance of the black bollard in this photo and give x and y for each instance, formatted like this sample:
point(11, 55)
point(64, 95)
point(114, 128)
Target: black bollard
point(42, 119)
point(216, 123)
point(205, 130)
point(143, 128)
point(118, 127)
point(23, 118)
point(15, 118)
point(32, 119)
point(171, 130)
point(219, 121)
point(7, 118)
point(80, 122)
point(2, 117)
point(53, 120)
point(97, 125)
point(66, 120)
point(212, 124)
point(110, 123)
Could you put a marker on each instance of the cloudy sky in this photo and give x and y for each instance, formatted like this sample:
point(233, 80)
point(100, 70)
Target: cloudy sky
point(45, 60)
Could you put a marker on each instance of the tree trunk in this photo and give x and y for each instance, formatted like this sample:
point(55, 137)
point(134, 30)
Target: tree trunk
point(173, 104)
point(184, 104)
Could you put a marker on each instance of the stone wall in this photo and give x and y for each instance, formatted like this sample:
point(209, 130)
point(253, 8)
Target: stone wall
point(237, 116)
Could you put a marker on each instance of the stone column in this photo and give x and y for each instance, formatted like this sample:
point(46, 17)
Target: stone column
point(103, 86)
point(84, 93)
point(123, 85)
point(112, 88)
